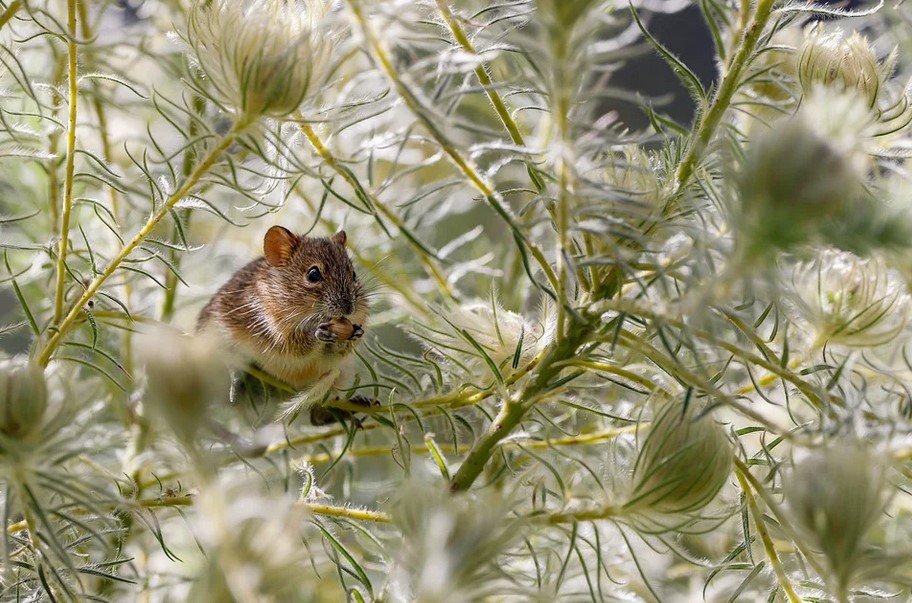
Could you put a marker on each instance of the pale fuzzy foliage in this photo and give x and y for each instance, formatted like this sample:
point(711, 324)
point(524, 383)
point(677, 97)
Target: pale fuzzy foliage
point(693, 327)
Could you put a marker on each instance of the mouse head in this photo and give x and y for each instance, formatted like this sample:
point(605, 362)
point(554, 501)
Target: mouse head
point(314, 277)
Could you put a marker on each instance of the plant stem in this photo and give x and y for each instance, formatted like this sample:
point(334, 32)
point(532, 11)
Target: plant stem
point(101, 114)
point(607, 512)
point(189, 159)
point(204, 166)
point(462, 163)
point(784, 522)
point(513, 410)
point(708, 120)
point(481, 72)
point(346, 513)
point(10, 12)
point(346, 174)
point(771, 554)
point(583, 439)
point(70, 159)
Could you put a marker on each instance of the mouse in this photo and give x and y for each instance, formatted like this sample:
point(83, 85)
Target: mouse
point(296, 313)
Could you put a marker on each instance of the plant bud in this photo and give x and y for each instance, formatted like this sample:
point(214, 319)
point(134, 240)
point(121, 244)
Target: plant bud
point(834, 61)
point(793, 183)
point(682, 463)
point(262, 57)
point(847, 300)
point(23, 397)
point(836, 495)
point(184, 374)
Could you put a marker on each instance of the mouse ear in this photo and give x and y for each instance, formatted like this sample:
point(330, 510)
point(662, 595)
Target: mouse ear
point(278, 245)
point(340, 238)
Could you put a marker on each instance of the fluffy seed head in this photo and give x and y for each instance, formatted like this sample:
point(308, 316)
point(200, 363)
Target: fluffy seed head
point(23, 398)
point(835, 61)
point(848, 300)
point(262, 57)
point(184, 374)
point(683, 462)
point(836, 495)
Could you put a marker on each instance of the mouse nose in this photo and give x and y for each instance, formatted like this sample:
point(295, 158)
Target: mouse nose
point(346, 306)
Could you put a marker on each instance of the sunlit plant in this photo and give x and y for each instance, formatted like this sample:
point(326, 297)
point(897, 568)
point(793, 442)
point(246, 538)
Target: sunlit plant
point(603, 362)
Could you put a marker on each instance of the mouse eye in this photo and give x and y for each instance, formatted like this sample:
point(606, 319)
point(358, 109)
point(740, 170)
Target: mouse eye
point(313, 275)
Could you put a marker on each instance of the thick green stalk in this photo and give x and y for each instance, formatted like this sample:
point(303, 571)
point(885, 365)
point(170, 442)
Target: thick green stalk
point(204, 166)
point(513, 410)
point(70, 160)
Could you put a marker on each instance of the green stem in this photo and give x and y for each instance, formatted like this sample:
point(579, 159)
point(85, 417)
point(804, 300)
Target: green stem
point(784, 522)
point(204, 166)
point(708, 121)
point(513, 410)
point(771, 553)
point(70, 160)
point(464, 165)
point(10, 12)
point(481, 72)
point(189, 159)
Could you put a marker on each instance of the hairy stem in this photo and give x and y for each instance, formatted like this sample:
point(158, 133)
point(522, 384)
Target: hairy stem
point(192, 180)
point(709, 119)
point(481, 72)
point(513, 410)
point(189, 160)
point(771, 553)
point(70, 160)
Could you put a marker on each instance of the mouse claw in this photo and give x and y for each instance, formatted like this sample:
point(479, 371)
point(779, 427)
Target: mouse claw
point(356, 333)
point(325, 333)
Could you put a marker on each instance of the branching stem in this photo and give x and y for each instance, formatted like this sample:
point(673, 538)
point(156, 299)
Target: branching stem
point(462, 163)
point(331, 160)
point(204, 166)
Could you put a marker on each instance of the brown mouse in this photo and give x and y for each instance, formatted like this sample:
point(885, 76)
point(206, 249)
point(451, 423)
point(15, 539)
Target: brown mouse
point(297, 312)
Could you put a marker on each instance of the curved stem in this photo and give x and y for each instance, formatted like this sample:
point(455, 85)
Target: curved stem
point(70, 159)
point(204, 166)
point(481, 72)
point(514, 409)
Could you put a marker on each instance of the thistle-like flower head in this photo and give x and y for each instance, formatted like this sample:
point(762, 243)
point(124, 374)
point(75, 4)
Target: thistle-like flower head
point(850, 301)
point(262, 57)
point(682, 463)
point(23, 399)
point(846, 63)
point(836, 495)
point(184, 375)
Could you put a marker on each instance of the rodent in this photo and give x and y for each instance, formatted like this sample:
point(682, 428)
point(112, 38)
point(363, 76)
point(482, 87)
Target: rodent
point(297, 312)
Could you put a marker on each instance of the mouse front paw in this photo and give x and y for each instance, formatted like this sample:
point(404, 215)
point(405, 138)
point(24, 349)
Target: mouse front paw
point(357, 332)
point(325, 333)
